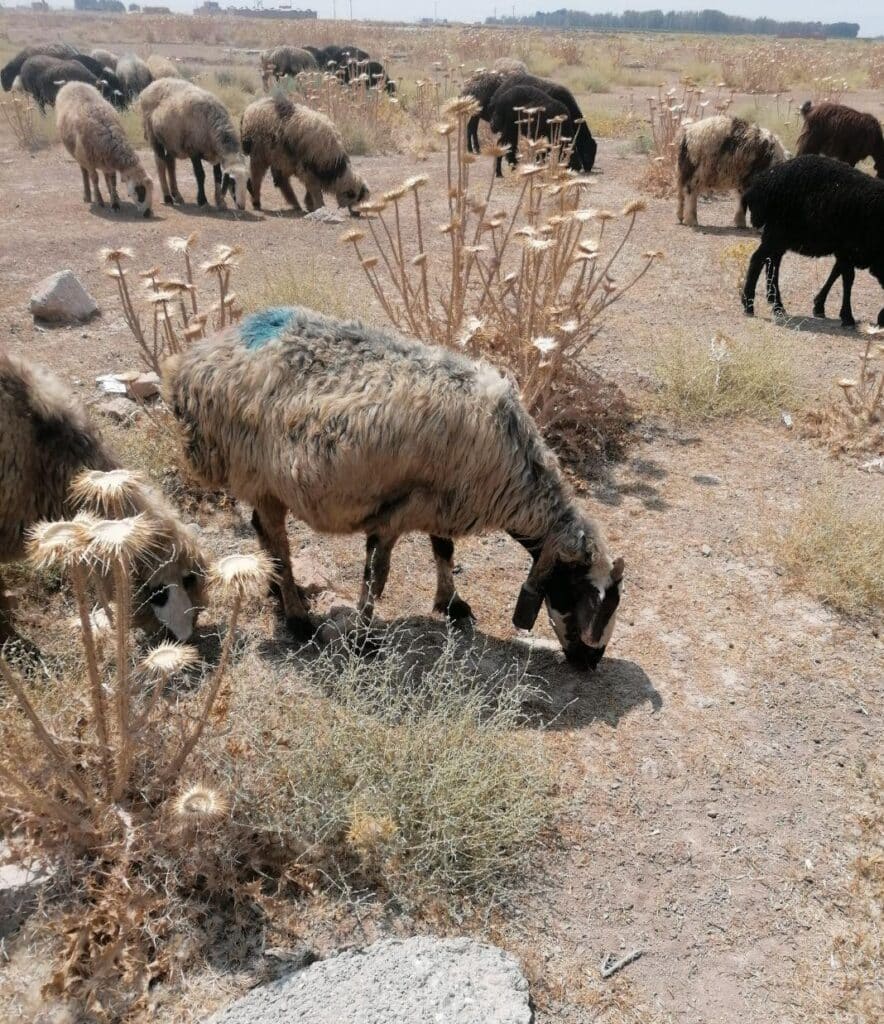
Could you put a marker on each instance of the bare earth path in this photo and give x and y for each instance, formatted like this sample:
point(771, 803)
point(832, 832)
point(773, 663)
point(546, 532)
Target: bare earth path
point(712, 767)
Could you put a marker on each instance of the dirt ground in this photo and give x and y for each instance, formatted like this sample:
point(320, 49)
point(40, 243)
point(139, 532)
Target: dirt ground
point(712, 766)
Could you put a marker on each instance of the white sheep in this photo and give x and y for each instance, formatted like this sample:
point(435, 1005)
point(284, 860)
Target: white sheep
point(183, 121)
point(93, 134)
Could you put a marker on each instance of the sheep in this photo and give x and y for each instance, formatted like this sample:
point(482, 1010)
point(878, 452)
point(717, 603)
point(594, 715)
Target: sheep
point(373, 72)
point(134, 74)
point(42, 77)
point(722, 152)
point(105, 58)
point(831, 129)
point(109, 84)
point(46, 441)
point(291, 139)
point(356, 430)
point(93, 134)
point(12, 69)
point(816, 206)
point(285, 60)
point(481, 86)
point(181, 120)
point(508, 118)
point(161, 67)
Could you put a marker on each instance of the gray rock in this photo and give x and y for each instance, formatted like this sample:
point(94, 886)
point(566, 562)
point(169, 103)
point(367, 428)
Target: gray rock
point(61, 299)
point(422, 980)
point(706, 479)
point(120, 410)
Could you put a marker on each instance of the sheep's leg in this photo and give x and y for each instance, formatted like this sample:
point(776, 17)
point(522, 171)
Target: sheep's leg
point(680, 210)
point(6, 630)
point(447, 600)
point(257, 170)
point(819, 301)
point(200, 175)
point(773, 284)
point(172, 168)
point(268, 519)
point(95, 189)
point(160, 159)
point(740, 215)
point(848, 274)
point(762, 253)
point(473, 134)
point(314, 198)
point(219, 186)
point(691, 217)
point(111, 181)
point(87, 191)
point(377, 568)
point(284, 184)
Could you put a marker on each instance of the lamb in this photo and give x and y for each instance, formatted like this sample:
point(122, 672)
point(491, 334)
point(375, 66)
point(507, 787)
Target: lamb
point(481, 86)
point(105, 58)
point(816, 206)
point(42, 77)
point(285, 60)
point(356, 430)
point(46, 441)
point(181, 120)
point(291, 139)
point(93, 134)
point(12, 69)
point(722, 152)
point(134, 74)
point(508, 118)
point(831, 129)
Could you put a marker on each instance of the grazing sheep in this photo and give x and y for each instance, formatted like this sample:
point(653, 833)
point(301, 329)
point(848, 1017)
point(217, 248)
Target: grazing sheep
point(183, 121)
point(12, 69)
point(161, 67)
point(355, 430)
point(93, 134)
point(291, 139)
point(831, 129)
point(342, 55)
point(816, 206)
point(508, 118)
point(134, 74)
point(105, 58)
point(46, 440)
point(42, 77)
point(285, 60)
point(373, 71)
point(722, 153)
point(481, 86)
point(109, 85)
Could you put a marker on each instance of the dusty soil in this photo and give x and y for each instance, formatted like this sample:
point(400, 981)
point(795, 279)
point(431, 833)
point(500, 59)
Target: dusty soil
point(710, 768)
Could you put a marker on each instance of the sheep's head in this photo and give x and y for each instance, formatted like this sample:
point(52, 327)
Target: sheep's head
point(141, 193)
point(169, 584)
point(351, 190)
point(235, 179)
point(580, 585)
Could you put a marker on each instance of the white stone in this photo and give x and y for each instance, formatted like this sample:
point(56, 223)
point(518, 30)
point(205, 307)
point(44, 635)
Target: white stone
point(61, 299)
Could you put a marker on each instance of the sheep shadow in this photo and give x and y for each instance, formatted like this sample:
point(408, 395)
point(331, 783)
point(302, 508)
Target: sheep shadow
point(725, 230)
point(127, 213)
point(642, 477)
point(209, 210)
point(809, 324)
point(412, 651)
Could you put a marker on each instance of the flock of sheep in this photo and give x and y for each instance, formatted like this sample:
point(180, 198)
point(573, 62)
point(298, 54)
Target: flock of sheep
point(292, 411)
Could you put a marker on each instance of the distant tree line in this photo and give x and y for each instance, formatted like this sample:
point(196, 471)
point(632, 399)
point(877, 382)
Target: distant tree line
point(683, 21)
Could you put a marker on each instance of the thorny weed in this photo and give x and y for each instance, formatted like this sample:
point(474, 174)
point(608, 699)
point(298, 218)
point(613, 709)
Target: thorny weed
point(527, 288)
point(18, 112)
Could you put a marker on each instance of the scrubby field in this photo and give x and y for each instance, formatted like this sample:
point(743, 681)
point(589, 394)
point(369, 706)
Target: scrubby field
point(712, 795)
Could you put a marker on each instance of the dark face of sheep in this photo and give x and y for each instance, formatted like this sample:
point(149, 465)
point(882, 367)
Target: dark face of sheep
point(352, 197)
point(168, 599)
point(581, 600)
point(236, 182)
point(141, 193)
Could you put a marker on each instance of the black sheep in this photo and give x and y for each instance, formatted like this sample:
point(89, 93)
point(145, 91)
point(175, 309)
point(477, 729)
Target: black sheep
point(583, 156)
point(108, 84)
point(375, 71)
point(482, 85)
point(42, 77)
point(13, 68)
point(816, 206)
point(508, 122)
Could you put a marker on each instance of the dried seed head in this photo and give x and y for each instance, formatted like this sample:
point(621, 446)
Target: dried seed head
point(167, 658)
point(115, 255)
point(416, 182)
point(529, 170)
point(355, 235)
point(634, 206)
point(419, 260)
point(242, 576)
point(182, 244)
point(175, 284)
point(201, 805)
point(544, 345)
point(604, 215)
point(395, 194)
point(113, 493)
point(121, 539)
point(369, 262)
point(151, 272)
point(445, 129)
point(59, 543)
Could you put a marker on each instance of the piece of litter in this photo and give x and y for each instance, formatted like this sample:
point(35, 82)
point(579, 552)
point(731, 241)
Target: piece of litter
point(874, 465)
point(611, 966)
point(787, 419)
point(111, 383)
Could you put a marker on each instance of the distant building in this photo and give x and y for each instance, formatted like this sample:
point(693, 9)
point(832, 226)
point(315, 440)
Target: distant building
point(151, 9)
point(284, 11)
point(135, 8)
point(105, 6)
point(39, 5)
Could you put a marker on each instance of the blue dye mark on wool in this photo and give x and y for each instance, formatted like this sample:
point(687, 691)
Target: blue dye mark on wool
point(260, 328)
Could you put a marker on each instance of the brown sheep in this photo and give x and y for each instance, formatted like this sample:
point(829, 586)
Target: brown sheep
point(831, 129)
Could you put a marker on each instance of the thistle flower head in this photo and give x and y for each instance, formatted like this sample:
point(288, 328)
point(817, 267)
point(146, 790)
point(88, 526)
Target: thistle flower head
point(115, 255)
point(461, 105)
point(201, 805)
point(634, 206)
point(446, 128)
point(241, 576)
point(529, 170)
point(544, 345)
point(395, 194)
point(354, 235)
point(168, 658)
point(113, 493)
point(151, 272)
point(113, 540)
point(59, 543)
point(415, 182)
point(177, 244)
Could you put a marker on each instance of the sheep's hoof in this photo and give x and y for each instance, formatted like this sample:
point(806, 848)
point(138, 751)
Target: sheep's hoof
point(819, 312)
point(256, 206)
point(168, 200)
point(115, 206)
point(456, 610)
point(749, 308)
point(850, 324)
point(148, 214)
point(301, 630)
point(202, 201)
point(780, 314)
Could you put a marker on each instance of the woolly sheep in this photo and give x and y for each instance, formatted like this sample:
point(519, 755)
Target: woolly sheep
point(355, 430)
point(291, 139)
point(12, 69)
point(722, 153)
point(46, 440)
point(93, 134)
point(816, 206)
point(831, 129)
point(161, 67)
point(42, 77)
point(134, 74)
point(285, 60)
point(180, 121)
point(481, 86)
point(105, 58)
point(508, 118)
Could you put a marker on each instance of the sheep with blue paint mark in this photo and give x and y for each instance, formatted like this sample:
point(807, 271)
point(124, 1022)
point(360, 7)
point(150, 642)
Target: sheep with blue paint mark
point(356, 430)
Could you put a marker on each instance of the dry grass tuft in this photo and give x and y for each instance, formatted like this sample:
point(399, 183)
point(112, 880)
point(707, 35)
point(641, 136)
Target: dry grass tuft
point(302, 284)
point(721, 378)
point(834, 549)
point(19, 113)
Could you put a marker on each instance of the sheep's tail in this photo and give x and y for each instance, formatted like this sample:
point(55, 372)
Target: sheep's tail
point(755, 200)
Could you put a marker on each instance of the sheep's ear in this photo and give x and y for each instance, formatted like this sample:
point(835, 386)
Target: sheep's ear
point(527, 607)
point(617, 570)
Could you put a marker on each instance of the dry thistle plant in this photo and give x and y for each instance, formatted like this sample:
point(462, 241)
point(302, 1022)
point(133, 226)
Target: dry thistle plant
point(18, 113)
point(854, 421)
point(175, 319)
point(527, 288)
point(94, 785)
